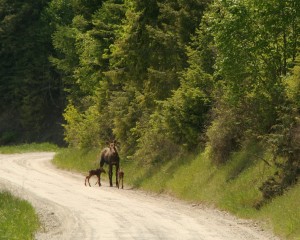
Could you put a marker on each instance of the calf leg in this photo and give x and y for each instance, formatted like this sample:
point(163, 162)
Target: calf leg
point(122, 181)
point(98, 176)
point(87, 179)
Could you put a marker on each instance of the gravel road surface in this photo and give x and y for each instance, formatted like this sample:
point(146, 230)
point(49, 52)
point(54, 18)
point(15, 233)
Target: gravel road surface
point(69, 210)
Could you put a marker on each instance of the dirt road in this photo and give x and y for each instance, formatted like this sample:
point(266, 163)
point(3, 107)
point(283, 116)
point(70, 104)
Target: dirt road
point(69, 210)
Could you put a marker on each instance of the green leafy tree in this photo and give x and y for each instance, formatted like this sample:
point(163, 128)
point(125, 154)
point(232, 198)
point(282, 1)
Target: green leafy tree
point(251, 60)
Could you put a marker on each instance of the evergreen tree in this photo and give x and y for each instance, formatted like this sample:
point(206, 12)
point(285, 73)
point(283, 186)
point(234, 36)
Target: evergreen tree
point(147, 58)
point(30, 92)
point(83, 50)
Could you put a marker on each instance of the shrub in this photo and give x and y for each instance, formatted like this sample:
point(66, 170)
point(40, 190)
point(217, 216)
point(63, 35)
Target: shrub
point(155, 147)
point(223, 136)
point(85, 129)
point(284, 143)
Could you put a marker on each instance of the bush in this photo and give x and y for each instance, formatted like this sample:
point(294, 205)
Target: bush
point(284, 143)
point(223, 136)
point(155, 147)
point(84, 129)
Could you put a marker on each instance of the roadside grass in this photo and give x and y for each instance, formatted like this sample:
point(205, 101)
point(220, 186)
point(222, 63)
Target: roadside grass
point(18, 219)
point(233, 187)
point(78, 160)
point(32, 147)
point(283, 213)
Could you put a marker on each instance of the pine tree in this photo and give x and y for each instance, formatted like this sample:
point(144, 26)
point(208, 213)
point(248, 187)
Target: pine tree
point(30, 93)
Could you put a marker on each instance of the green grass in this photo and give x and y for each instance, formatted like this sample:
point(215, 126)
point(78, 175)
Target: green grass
point(232, 187)
point(32, 147)
point(284, 213)
point(18, 219)
point(76, 160)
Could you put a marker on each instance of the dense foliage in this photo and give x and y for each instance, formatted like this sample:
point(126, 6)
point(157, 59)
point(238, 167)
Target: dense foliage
point(163, 77)
point(30, 90)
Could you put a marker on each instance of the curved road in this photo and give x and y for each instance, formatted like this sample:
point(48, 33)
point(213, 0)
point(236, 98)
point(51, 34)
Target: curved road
point(69, 210)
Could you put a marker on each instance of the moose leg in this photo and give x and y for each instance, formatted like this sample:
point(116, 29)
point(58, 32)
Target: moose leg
point(110, 175)
point(118, 183)
point(98, 176)
point(117, 175)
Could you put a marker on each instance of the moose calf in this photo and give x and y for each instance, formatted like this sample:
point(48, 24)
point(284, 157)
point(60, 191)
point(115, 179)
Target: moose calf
point(96, 172)
point(121, 177)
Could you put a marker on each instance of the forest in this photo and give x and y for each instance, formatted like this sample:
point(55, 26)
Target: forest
point(163, 77)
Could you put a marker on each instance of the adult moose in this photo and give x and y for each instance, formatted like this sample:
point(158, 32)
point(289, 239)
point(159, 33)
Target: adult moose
point(110, 156)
